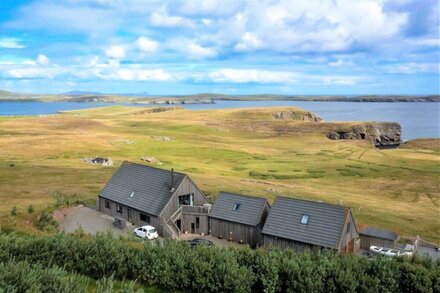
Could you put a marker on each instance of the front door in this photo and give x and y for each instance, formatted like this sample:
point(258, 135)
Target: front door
point(193, 228)
point(128, 215)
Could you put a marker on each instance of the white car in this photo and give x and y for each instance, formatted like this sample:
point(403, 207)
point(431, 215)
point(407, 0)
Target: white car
point(146, 232)
point(390, 251)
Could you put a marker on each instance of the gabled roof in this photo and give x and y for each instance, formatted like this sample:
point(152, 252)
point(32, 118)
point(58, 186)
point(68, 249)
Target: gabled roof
point(141, 187)
point(249, 211)
point(324, 226)
point(379, 233)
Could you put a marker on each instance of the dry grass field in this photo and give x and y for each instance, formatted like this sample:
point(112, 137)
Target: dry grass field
point(245, 151)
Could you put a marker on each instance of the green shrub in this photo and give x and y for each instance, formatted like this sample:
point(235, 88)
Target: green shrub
point(46, 222)
point(14, 211)
point(175, 265)
point(30, 209)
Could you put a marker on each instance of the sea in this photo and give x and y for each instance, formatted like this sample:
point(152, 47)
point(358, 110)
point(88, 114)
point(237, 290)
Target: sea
point(418, 120)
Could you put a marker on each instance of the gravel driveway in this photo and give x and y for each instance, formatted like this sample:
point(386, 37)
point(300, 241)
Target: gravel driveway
point(91, 221)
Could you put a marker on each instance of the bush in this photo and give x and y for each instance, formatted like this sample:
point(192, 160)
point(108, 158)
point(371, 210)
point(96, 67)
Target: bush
point(30, 209)
point(14, 211)
point(175, 265)
point(46, 222)
point(24, 277)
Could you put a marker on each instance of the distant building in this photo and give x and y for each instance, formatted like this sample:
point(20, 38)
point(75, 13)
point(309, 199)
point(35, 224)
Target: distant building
point(302, 224)
point(167, 200)
point(238, 218)
point(378, 237)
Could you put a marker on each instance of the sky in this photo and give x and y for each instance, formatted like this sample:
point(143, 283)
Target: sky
point(170, 47)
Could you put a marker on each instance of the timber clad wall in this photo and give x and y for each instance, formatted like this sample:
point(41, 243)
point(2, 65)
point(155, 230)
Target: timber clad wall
point(135, 217)
point(367, 241)
point(186, 187)
point(240, 232)
point(283, 243)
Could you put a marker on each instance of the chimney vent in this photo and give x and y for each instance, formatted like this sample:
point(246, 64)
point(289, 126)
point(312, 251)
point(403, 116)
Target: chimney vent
point(172, 180)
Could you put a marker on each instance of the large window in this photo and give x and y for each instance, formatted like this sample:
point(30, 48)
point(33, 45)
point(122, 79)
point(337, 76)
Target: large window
point(186, 200)
point(119, 208)
point(144, 218)
point(107, 204)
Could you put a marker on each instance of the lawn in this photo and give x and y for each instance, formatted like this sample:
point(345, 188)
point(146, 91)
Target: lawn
point(245, 151)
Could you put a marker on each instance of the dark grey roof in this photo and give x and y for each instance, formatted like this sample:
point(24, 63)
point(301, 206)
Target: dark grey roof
point(249, 213)
point(151, 187)
point(324, 227)
point(379, 233)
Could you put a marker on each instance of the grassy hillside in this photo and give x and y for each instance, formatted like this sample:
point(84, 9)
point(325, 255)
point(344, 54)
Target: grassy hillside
point(245, 151)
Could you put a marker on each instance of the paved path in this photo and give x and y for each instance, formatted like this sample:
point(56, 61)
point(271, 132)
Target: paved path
point(91, 221)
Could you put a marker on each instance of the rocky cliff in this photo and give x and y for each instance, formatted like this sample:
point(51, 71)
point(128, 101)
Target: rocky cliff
point(296, 115)
point(381, 134)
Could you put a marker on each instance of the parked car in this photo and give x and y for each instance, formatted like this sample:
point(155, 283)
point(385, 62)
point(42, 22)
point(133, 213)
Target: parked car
point(146, 232)
point(199, 241)
point(390, 251)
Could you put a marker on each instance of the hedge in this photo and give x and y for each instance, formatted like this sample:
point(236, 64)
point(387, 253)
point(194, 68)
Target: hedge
point(176, 266)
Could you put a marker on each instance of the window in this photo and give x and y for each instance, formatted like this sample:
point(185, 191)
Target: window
point(107, 204)
point(197, 222)
point(132, 194)
point(186, 200)
point(236, 207)
point(305, 219)
point(119, 209)
point(144, 218)
point(348, 228)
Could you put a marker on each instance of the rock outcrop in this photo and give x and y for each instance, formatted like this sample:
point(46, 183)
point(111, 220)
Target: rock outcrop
point(381, 134)
point(296, 115)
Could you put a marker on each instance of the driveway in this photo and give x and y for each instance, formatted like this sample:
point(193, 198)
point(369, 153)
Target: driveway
point(215, 240)
point(91, 221)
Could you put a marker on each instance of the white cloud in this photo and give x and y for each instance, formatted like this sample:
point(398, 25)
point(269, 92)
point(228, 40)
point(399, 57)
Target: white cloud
point(143, 75)
point(42, 60)
point(162, 19)
point(147, 45)
point(196, 51)
point(340, 63)
point(10, 43)
point(115, 52)
point(252, 75)
point(412, 67)
point(248, 42)
point(191, 49)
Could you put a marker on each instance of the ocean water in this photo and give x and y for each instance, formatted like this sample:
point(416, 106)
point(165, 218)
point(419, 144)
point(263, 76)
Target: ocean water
point(418, 120)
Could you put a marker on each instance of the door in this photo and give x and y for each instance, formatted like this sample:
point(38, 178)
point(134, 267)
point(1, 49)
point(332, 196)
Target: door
point(179, 224)
point(128, 215)
point(193, 228)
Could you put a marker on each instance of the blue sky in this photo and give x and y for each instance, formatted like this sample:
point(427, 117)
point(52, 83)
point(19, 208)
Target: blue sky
point(325, 47)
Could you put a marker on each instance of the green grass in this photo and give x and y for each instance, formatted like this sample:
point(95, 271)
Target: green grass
point(221, 150)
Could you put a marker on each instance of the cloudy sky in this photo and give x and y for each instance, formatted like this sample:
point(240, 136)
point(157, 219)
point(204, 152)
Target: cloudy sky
point(224, 46)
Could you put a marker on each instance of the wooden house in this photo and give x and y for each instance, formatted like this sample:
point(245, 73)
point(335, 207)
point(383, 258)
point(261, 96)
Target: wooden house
point(378, 237)
point(302, 224)
point(238, 218)
point(167, 200)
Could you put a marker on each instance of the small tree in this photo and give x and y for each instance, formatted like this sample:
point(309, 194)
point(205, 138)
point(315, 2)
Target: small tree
point(14, 211)
point(30, 209)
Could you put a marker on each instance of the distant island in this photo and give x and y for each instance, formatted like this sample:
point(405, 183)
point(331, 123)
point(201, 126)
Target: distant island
point(203, 98)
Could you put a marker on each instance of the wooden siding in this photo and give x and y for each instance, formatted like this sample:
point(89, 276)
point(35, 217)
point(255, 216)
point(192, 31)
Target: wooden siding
point(186, 187)
point(367, 241)
point(240, 232)
point(349, 240)
point(283, 243)
point(190, 219)
point(134, 214)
